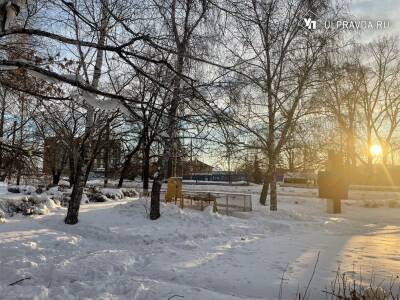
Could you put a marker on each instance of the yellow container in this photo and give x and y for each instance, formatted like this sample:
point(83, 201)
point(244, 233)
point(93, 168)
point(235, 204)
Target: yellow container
point(174, 189)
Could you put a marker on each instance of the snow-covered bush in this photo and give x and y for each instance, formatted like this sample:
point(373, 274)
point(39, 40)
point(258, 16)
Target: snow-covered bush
point(55, 193)
point(13, 189)
point(27, 189)
point(63, 183)
point(27, 205)
point(97, 194)
point(61, 195)
point(66, 197)
point(98, 198)
point(2, 216)
point(84, 199)
point(23, 189)
point(91, 194)
point(114, 194)
point(130, 193)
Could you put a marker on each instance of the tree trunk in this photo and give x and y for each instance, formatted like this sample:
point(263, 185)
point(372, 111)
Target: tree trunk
point(77, 191)
point(92, 152)
point(146, 169)
point(72, 169)
point(291, 160)
point(171, 144)
point(369, 141)
point(19, 175)
point(385, 154)
point(155, 197)
point(127, 162)
point(125, 168)
point(385, 159)
point(107, 154)
point(84, 159)
point(272, 153)
point(265, 188)
point(21, 138)
point(2, 119)
point(11, 167)
point(350, 141)
point(57, 172)
point(273, 196)
point(56, 177)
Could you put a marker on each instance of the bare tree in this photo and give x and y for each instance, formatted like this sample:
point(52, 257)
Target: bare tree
point(278, 58)
point(381, 95)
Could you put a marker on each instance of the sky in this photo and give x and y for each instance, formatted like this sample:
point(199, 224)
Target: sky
point(378, 10)
point(371, 10)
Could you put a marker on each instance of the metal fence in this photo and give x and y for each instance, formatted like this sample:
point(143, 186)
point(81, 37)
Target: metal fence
point(225, 203)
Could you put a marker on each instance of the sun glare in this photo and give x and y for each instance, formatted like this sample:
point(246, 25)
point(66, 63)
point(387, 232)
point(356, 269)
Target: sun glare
point(376, 150)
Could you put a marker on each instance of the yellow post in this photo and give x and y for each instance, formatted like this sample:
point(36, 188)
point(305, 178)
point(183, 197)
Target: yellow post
point(174, 189)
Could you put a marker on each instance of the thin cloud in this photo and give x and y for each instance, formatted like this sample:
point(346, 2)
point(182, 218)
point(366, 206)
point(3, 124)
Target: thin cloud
point(385, 10)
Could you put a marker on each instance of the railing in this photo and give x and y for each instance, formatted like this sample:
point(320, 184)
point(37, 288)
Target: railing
point(223, 202)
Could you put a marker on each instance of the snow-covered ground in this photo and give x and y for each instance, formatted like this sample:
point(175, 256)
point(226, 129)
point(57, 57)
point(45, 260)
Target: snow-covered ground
point(115, 252)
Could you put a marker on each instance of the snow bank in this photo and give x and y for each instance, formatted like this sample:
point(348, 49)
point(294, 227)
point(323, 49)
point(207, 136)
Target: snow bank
point(92, 194)
point(117, 252)
point(106, 253)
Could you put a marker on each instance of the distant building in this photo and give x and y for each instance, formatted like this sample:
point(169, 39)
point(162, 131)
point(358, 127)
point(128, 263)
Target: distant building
point(114, 157)
point(228, 176)
point(200, 171)
point(304, 177)
point(195, 166)
point(57, 153)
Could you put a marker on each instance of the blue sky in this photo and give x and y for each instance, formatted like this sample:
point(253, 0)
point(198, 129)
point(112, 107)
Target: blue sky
point(379, 10)
point(376, 7)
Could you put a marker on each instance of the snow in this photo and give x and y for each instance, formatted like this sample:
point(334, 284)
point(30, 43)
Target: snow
point(116, 252)
point(24, 189)
point(113, 193)
point(31, 203)
point(108, 105)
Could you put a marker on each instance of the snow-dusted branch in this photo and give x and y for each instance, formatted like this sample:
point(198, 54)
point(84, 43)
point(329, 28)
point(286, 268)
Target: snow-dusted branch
point(117, 49)
point(53, 76)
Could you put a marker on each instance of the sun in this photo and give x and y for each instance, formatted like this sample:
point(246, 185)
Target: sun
point(376, 150)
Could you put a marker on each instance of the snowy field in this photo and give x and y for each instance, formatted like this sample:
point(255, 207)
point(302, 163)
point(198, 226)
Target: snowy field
point(115, 252)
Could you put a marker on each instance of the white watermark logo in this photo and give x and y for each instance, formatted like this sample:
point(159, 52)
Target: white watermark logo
point(351, 25)
point(310, 24)
point(355, 25)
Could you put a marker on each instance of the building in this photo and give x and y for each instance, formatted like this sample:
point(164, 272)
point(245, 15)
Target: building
point(114, 157)
point(55, 155)
point(200, 171)
point(59, 155)
point(195, 166)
